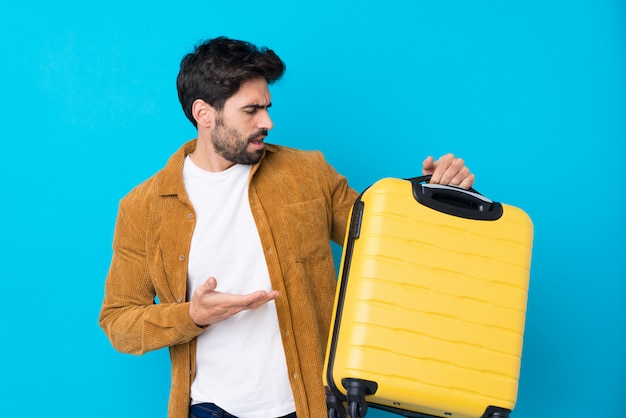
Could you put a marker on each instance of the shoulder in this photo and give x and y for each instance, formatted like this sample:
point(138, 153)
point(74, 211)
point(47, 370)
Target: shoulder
point(166, 182)
point(282, 155)
point(295, 169)
point(141, 197)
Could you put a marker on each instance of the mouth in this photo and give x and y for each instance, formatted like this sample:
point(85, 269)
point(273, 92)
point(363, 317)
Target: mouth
point(257, 141)
point(257, 145)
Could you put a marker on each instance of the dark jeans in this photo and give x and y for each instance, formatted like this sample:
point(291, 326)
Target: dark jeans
point(210, 410)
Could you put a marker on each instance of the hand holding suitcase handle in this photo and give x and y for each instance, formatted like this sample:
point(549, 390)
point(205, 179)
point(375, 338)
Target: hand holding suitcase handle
point(455, 201)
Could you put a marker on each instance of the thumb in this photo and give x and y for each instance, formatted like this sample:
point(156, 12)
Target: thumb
point(211, 283)
point(428, 166)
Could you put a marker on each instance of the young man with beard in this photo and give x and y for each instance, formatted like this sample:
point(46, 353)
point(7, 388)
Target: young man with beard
point(233, 238)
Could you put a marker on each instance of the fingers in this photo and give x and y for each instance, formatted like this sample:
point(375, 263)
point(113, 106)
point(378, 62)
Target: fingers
point(468, 182)
point(208, 306)
point(256, 299)
point(446, 169)
point(451, 170)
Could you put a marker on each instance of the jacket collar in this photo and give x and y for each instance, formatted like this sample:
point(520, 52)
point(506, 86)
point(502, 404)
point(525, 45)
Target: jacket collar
point(172, 180)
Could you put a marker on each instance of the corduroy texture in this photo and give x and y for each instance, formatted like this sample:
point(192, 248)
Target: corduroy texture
point(299, 204)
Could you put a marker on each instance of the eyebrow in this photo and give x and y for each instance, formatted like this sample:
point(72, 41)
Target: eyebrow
point(256, 106)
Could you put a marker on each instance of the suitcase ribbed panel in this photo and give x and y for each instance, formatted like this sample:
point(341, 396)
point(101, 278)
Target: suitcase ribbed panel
point(434, 305)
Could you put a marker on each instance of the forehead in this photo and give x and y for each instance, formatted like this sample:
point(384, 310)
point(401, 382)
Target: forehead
point(255, 91)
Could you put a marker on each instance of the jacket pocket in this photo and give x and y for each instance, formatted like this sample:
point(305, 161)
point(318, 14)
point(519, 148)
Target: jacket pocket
point(306, 226)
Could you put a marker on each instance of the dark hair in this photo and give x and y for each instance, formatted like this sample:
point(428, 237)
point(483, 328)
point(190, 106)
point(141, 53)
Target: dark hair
point(215, 70)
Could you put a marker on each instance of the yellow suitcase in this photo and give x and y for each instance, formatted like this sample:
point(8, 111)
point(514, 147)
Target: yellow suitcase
point(430, 305)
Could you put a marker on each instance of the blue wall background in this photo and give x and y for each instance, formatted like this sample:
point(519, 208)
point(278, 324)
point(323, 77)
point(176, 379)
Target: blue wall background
point(532, 94)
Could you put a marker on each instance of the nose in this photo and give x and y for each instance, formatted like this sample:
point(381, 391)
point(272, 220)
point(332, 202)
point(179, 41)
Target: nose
point(265, 121)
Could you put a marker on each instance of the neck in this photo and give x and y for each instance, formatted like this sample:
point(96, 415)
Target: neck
point(207, 158)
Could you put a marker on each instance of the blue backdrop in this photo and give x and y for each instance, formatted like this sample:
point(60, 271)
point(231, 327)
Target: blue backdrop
point(532, 94)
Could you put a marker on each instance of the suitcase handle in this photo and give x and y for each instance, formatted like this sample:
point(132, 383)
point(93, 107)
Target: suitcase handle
point(456, 201)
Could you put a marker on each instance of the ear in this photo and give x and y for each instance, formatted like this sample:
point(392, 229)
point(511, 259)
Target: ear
point(203, 113)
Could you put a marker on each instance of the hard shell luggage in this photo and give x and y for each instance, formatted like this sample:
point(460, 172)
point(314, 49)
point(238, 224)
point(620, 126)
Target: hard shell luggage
point(430, 305)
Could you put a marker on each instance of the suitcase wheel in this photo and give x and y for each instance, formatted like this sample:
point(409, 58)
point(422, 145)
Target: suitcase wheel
point(496, 412)
point(334, 413)
point(357, 389)
point(334, 405)
point(357, 410)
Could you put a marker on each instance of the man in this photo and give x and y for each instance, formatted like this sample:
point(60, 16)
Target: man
point(233, 238)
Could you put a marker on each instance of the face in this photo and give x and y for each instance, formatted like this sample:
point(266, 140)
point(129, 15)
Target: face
point(242, 125)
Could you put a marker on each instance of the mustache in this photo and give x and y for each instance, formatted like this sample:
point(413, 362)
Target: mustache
point(259, 134)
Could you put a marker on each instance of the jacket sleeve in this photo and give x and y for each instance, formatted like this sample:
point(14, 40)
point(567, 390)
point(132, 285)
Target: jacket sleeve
point(342, 198)
point(131, 318)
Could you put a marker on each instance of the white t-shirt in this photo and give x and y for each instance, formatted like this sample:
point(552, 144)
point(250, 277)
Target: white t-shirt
point(240, 362)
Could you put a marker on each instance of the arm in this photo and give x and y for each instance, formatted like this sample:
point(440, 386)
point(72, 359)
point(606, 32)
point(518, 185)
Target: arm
point(342, 198)
point(129, 316)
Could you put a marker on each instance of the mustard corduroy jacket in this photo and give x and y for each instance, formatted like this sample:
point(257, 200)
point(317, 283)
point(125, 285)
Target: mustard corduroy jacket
point(299, 203)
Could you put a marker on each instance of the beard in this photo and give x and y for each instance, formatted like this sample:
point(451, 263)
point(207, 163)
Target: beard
point(233, 146)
